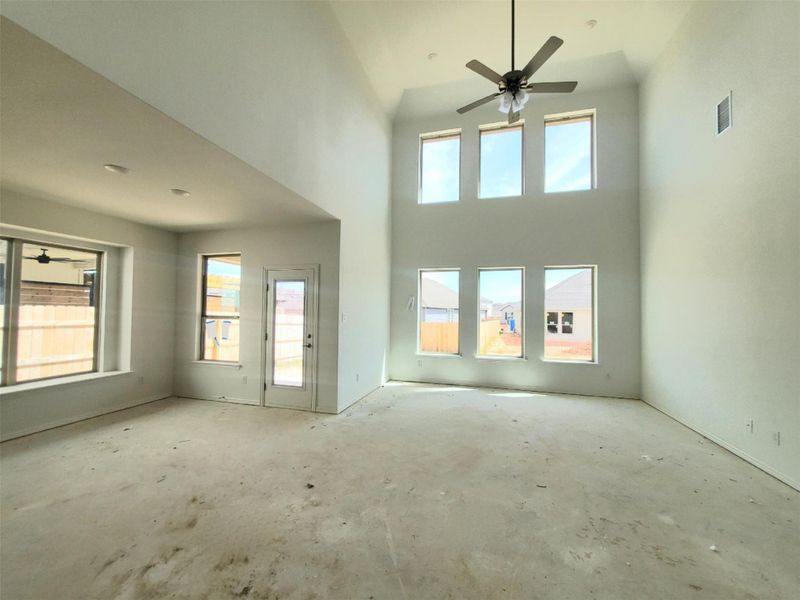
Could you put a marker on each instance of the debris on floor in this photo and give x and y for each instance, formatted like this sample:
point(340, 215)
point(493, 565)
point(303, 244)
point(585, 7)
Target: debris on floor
point(309, 485)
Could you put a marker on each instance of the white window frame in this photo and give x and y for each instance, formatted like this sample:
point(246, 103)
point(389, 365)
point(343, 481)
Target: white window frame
point(494, 128)
point(559, 313)
point(437, 135)
point(13, 280)
point(565, 117)
point(523, 347)
point(203, 314)
point(418, 312)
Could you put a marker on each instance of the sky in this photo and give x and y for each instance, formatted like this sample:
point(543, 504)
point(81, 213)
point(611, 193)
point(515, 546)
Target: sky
point(218, 267)
point(440, 170)
point(501, 160)
point(567, 157)
point(446, 278)
point(501, 286)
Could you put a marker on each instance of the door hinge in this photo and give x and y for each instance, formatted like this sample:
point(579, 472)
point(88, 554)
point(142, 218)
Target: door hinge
point(265, 385)
point(266, 336)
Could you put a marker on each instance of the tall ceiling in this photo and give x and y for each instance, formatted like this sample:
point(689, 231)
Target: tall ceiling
point(62, 125)
point(394, 40)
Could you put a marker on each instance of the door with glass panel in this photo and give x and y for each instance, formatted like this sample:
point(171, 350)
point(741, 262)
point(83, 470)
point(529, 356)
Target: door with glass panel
point(290, 338)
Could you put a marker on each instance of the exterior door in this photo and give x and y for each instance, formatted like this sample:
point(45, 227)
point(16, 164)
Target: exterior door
point(291, 345)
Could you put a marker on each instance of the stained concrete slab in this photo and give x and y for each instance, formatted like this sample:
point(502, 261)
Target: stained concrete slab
point(418, 491)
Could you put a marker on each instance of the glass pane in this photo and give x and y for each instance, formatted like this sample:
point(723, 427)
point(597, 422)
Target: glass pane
point(221, 339)
point(568, 155)
point(440, 169)
point(501, 163)
point(288, 341)
point(57, 313)
point(438, 312)
point(569, 315)
point(500, 312)
point(223, 284)
point(3, 263)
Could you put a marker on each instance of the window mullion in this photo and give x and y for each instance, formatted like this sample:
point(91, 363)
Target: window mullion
point(12, 312)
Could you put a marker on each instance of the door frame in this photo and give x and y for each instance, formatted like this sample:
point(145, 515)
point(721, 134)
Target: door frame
point(313, 310)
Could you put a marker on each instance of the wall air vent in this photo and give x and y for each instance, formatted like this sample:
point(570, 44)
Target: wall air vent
point(724, 114)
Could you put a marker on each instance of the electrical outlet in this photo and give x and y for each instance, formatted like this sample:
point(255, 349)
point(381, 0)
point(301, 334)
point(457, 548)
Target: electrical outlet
point(244, 378)
point(356, 377)
point(749, 425)
point(419, 363)
point(141, 379)
point(776, 437)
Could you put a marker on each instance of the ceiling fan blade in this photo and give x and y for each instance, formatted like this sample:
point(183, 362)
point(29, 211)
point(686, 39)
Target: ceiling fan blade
point(477, 103)
point(482, 69)
point(552, 87)
point(64, 260)
point(545, 52)
point(513, 117)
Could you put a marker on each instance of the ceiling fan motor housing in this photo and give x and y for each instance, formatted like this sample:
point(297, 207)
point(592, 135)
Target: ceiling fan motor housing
point(513, 82)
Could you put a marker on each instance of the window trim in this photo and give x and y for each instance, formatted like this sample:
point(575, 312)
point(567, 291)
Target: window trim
point(523, 346)
point(565, 117)
point(595, 345)
point(437, 135)
point(203, 315)
point(492, 128)
point(418, 312)
point(13, 280)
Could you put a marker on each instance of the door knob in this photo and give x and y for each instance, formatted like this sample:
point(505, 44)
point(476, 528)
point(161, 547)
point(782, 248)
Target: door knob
point(308, 345)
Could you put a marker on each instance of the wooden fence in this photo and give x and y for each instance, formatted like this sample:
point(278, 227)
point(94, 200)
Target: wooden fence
point(54, 340)
point(438, 337)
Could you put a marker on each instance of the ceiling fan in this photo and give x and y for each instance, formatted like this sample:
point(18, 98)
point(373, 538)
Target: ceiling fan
point(44, 258)
point(514, 86)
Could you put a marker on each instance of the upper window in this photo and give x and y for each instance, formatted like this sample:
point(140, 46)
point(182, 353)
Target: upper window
point(440, 171)
point(500, 312)
point(501, 161)
point(569, 313)
point(568, 153)
point(219, 321)
point(438, 311)
point(54, 313)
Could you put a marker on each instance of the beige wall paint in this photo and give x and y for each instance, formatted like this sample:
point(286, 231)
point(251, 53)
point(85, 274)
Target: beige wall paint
point(277, 85)
point(598, 227)
point(316, 244)
point(140, 315)
point(721, 230)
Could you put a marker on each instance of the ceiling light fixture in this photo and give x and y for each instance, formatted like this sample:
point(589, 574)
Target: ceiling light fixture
point(180, 192)
point(119, 169)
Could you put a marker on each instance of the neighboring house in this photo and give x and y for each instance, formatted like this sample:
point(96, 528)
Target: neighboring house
point(568, 309)
point(510, 314)
point(487, 309)
point(438, 303)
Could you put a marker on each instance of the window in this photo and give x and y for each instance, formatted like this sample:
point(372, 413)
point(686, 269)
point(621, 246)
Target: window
point(438, 311)
point(219, 321)
point(50, 310)
point(569, 314)
point(440, 167)
point(500, 312)
point(501, 161)
point(569, 152)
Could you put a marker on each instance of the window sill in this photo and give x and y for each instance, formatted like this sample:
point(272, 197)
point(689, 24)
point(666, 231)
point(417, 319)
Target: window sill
point(502, 358)
point(59, 381)
point(570, 362)
point(218, 363)
point(439, 355)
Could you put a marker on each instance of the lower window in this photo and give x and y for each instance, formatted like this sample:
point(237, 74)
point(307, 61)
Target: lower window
point(54, 315)
point(500, 312)
point(569, 314)
point(438, 311)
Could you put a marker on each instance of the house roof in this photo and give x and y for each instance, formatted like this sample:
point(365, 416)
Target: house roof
point(436, 295)
point(573, 293)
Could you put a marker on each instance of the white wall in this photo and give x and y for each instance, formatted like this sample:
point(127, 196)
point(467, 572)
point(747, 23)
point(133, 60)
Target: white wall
point(139, 352)
point(593, 227)
point(721, 230)
point(277, 85)
point(260, 248)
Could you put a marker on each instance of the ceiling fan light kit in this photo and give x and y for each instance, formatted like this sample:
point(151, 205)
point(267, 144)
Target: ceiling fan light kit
point(514, 87)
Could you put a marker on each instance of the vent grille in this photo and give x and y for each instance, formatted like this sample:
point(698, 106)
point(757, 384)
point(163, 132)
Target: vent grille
point(724, 114)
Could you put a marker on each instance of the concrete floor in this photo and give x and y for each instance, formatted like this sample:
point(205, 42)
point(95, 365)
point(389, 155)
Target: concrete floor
point(418, 492)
